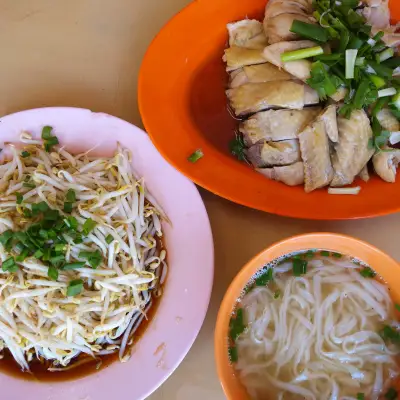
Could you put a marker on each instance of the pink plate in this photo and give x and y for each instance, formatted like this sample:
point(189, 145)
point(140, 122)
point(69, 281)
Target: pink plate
point(189, 243)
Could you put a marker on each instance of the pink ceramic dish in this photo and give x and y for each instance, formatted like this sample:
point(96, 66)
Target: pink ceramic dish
point(183, 306)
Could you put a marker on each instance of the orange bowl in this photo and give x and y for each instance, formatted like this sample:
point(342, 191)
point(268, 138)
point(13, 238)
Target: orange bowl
point(384, 265)
point(183, 106)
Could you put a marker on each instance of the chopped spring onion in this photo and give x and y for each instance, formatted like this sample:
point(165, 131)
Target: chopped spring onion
point(237, 325)
point(396, 100)
point(74, 265)
point(360, 396)
point(377, 81)
point(360, 61)
point(19, 197)
point(277, 294)
point(351, 56)
point(88, 226)
point(29, 185)
point(263, 279)
point(68, 207)
point(75, 287)
point(25, 154)
point(299, 267)
point(46, 132)
point(394, 137)
point(309, 31)
point(352, 190)
point(9, 265)
point(233, 354)
point(109, 239)
point(386, 92)
point(52, 273)
point(195, 156)
point(367, 272)
point(6, 236)
point(302, 53)
point(70, 196)
point(385, 55)
point(371, 42)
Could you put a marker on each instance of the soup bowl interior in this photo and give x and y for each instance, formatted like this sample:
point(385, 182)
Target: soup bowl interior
point(387, 268)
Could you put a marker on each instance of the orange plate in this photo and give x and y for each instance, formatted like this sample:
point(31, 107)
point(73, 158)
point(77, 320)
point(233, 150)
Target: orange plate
point(183, 106)
point(385, 266)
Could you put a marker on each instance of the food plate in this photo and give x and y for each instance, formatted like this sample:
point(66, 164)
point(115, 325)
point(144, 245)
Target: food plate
point(188, 240)
point(183, 106)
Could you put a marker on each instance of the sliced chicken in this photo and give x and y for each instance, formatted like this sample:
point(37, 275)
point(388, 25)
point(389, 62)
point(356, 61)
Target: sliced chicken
point(254, 97)
point(269, 154)
point(328, 117)
point(352, 152)
point(278, 7)
point(257, 74)
point(390, 38)
point(315, 152)
point(291, 175)
point(364, 174)
point(385, 164)
point(388, 121)
point(378, 17)
point(301, 68)
point(276, 124)
point(277, 29)
point(238, 57)
point(248, 33)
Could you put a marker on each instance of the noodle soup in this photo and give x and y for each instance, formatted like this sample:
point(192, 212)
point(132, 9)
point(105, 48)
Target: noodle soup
point(315, 325)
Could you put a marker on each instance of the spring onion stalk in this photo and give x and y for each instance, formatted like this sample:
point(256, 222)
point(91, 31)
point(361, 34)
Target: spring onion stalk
point(394, 137)
point(195, 156)
point(351, 56)
point(89, 275)
point(310, 31)
point(302, 53)
point(377, 81)
point(385, 55)
point(352, 190)
point(396, 100)
point(360, 61)
point(386, 92)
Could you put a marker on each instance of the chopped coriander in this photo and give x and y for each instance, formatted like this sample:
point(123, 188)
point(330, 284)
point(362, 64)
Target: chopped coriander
point(25, 154)
point(299, 267)
point(109, 239)
point(19, 197)
point(233, 355)
point(52, 273)
point(88, 226)
point(263, 279)
point(75, 287)
point(9, 265)
point(70, 196)
point(367, 272)
point(277, 294)
point(195, 156)
point(74, 265)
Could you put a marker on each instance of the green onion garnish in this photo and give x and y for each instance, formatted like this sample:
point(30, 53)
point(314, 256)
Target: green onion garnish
point(74, 265)
point(299, 267)
point(337, 255)
point(196, 156)
point(386, 92)
point(277, 294)
point(70, 196)
point(88, 226)
point(68, 207)
point(52, 273)
point(360, 396)
point(310, 31)
point(75, 287)
point(367, 272)
point(109, 239)
point(46, 132)
point(9, 265)
point(377, 81)
point(21, 257)
point(397, 306)
point(385, 55)
point(71, 222)
point(233, 355)
point(25, 154)
point(19, 197)
point(301, 54)
point(351, 56)
point(236, 325)
point(6, 236)
point(263, 279)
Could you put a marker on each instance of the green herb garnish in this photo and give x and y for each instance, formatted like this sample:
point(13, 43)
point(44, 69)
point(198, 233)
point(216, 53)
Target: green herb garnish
point(25, 154)
point(263, 279)
point(236, 325)
point(9, 265)
point(360, 396)
point(88, 226)
point(52, 273)
point(299, 267)
point(195, 156)
point(109, 239)
point(325, 253)
point(70, 196)
point(237, 148)
point(74, 265)
point(75, 287)
point(233, 355)
point(277, 294)
point(368, 272)
point(19, 197)
point(68, 207)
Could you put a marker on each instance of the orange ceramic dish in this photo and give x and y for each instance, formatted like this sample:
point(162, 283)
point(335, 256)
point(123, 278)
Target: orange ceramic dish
point(384, 265)
point(183, 105)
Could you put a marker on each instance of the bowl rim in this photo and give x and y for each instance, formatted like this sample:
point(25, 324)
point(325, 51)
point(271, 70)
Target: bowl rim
point(381, 262)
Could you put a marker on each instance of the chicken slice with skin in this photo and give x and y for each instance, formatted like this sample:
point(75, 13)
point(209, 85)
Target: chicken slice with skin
point(291, 175)
point(238, 57)
point(248, 33)
point(352, 151)
point(254, 97)
point(257, 74)
point(364, 174)
point(328, 117)
point(277, 7)
point(269, 154)
point(315, 152)
point(275, 125)
point(387, 120)
point(385, 164)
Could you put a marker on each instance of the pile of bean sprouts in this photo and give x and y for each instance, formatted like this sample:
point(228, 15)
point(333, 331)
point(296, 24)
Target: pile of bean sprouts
point(38, 321)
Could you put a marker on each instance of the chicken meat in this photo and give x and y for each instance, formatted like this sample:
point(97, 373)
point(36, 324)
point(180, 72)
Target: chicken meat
point(248, 33)
point(385, 164)
point(291, 175)
point(238, 57)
